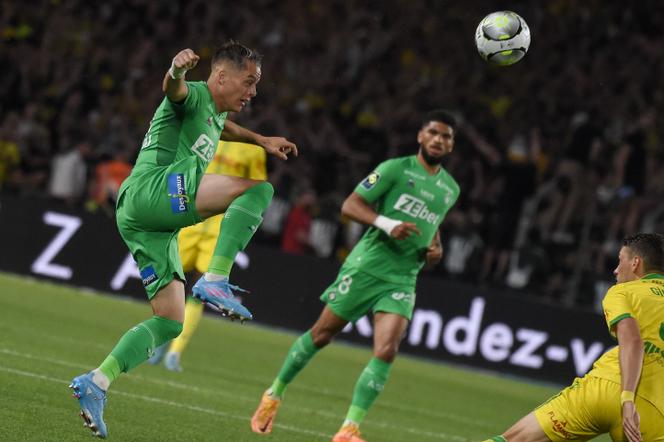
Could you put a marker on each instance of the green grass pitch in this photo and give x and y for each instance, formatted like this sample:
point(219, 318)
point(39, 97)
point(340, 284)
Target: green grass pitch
point(51, 333)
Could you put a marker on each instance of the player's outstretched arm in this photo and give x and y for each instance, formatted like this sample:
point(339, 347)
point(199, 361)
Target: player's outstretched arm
point(357, 209)
point(630, 348)
point(174, 85)
point(277, 146)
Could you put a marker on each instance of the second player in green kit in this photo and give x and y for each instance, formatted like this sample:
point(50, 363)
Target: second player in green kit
point(403, 201)
point(380, 275)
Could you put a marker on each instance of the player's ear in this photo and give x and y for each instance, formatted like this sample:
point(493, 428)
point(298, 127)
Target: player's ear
point(219, 75)
point(419, 137)
point(636, 263)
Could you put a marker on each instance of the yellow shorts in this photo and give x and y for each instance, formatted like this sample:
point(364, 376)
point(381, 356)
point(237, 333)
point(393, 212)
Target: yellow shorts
point(197, 243)
point(590, 407)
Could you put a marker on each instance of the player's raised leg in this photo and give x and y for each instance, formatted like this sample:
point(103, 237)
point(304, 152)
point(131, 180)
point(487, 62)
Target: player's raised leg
point(389, 330)
point(303, 349)
point(134, 348)
point(244, 201)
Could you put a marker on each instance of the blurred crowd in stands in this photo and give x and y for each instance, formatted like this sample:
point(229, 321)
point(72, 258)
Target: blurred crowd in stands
point(557, 156)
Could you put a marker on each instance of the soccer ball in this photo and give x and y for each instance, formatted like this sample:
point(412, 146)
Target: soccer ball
point(502, 38)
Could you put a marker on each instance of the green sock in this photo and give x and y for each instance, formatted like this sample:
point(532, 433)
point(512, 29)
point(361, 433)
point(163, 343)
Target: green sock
point(369, 385)
point(137, 345)
point(240, 222)
point(110, 367)
point(299, 355)
point(496, 439)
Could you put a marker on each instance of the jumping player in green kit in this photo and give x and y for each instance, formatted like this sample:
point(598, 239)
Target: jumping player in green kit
point(167, 190)
point(403, 200)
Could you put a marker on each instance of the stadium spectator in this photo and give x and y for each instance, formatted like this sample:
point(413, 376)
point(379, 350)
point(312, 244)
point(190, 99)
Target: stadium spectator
point(69, 173)
point(10, 157)
point(108, 176)
point(297, 229)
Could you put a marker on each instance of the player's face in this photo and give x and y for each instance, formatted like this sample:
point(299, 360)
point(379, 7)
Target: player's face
point(238, 85)
point(436, 140)
point(627, 265)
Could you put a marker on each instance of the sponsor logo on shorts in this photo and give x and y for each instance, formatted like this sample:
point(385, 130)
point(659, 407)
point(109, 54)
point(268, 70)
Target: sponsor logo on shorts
point(408, 298)
point(559, 425)
point(178, 193)
point(148, 276)
point(371, 180)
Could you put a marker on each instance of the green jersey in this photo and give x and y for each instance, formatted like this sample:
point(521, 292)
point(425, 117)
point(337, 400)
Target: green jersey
point(402, 189)
point(181, 130)
point(158, 198)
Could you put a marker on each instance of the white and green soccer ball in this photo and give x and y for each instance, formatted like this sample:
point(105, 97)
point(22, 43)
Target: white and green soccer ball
point(502, 38)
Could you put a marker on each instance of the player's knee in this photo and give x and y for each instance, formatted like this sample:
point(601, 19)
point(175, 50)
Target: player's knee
point(321, 337)
point(266, 188)
point(386, 351)
point(265, 191)
point(172, 330)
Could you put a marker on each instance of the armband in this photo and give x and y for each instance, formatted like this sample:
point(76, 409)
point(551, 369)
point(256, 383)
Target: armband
point(386, 224)
point(626, 396)
point(176, 73)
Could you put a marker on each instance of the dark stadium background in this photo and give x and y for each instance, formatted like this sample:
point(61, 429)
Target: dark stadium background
point(558, 156)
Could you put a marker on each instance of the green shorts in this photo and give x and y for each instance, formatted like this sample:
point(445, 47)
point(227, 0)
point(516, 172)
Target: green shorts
point(151, 209)
point(355, 293)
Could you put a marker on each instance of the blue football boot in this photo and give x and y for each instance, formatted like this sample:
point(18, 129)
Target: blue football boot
point(219, 296)
point(159, 353)
point(92, 400)
point(172, 362)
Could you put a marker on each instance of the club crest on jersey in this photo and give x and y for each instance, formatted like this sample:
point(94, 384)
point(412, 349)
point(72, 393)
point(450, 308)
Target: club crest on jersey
point(178, 193)
point(148, 276)
point(371, 180)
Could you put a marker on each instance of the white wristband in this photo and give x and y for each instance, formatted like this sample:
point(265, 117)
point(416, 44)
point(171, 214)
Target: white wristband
point(176, 73)
point(386, 224)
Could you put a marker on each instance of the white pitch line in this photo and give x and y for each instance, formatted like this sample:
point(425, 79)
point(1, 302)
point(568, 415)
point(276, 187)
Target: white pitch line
point(166, 402)
point(210, 392)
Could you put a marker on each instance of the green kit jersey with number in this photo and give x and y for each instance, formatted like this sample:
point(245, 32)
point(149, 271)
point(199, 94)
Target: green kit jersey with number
point(402, 189)
point(180, 130)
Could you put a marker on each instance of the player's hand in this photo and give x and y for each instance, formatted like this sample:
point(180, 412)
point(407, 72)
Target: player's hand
point(279, 147)
point(631, 422)
point(404, 230)
point(184, 61)
point(434, 254)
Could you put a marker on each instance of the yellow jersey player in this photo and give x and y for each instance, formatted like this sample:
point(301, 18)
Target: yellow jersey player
point(623, 394)
point(197, 242)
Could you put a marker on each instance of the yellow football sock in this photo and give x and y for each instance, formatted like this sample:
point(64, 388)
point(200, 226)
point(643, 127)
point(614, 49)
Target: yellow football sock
point(193, 312)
